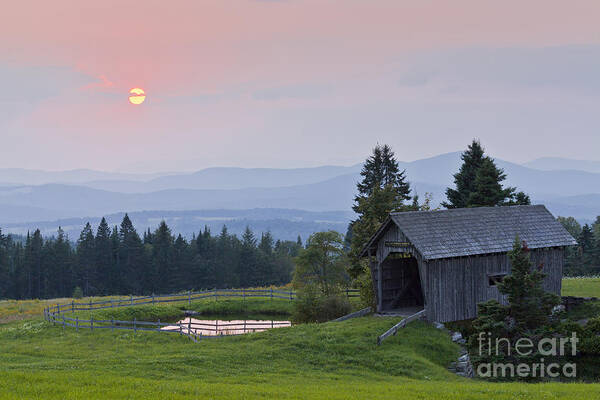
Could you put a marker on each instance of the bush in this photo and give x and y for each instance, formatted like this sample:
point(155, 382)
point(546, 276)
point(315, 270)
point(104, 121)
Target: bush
point(77, 293)
point(365, 286)
point(311, 306)
point(590, 345)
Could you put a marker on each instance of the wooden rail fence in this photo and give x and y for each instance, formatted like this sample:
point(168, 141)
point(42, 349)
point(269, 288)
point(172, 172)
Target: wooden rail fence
point(394, 329)
point(56, 313)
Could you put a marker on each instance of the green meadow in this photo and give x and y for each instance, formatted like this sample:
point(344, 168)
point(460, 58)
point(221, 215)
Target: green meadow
point(39, 360)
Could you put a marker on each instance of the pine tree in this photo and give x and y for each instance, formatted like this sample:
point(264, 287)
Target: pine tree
point(86, 263)
point(131, 257)
point(64, 262)
point(487, 190)
point(5, 284)
point(103, 259)
point(247, 268)
point(479, 183)
point(382, 190)
point(464, 180)
point(529, 304)
point(163, 271)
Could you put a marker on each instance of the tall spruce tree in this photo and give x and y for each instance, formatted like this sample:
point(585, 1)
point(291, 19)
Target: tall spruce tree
point(103, 258)
point(86, 262)
point(131, 257)
point(162, 275)
point(4, 266)
point(382, 190)
point(479, 183)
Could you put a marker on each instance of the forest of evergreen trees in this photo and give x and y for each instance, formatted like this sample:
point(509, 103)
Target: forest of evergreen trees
point(119, 261)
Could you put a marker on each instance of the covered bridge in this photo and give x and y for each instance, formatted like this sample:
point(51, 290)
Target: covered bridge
point(448, 261)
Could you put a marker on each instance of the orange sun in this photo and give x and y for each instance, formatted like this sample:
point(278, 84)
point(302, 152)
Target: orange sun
point(137, 96)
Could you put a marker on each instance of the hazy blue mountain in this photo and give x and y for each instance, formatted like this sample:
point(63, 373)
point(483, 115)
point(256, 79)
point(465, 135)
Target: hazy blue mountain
point(557, 163)
point(282, 223)
point(329, 195)
point(228, 178)
point(23, 176)
point(329, 188)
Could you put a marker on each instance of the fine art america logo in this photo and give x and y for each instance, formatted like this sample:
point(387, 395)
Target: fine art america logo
point(552, 348)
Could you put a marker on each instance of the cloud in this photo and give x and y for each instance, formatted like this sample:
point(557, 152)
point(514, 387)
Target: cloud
point(564, 68)
point(31, 84)
point(298, 91)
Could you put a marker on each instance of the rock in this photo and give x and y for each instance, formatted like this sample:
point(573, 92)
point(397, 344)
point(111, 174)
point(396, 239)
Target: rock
point(456, 336)
point(462, 366)
point(438, 325)
point(558, 309)
point(463, 358)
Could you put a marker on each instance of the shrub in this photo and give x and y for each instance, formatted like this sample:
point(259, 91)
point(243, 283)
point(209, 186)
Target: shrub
point(77, 293)
point(590, 345)
point(312, 306)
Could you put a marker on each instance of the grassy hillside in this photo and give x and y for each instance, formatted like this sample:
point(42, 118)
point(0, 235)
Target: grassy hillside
point(332, 361)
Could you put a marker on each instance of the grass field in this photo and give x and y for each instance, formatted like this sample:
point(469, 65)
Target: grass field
point(328, 361)
point(582, 287)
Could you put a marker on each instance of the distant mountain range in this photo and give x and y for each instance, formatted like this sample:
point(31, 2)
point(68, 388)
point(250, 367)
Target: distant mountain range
point(27, 197)
point(556, 163)
point(282, 223)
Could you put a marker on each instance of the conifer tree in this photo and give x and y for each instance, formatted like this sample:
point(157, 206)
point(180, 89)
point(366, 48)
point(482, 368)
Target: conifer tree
point(479, 183)
point(464, 179)
point(382, 190)
point(528, 303)
point(162, 273)
point(86, 263)
point(103, 258)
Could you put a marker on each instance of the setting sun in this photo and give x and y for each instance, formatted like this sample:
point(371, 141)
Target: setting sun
point(137, 96)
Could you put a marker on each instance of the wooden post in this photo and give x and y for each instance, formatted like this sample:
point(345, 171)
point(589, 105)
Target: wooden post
point(291, 294)
point(58, 308)
point(216, 298)
point(131, 298)
point(271, 293)
point(272, 324)
point(152, 298)
point(189, 298)
point(158, 329)
point(63, 318)
point(111, 304)
point(72, 306)
point(379, 287)
point(134, 327)
point(76, 324)
point(216, 327)
point(244, 326)
point(112, 325)
point(180, 329)
point(189, 325)
point(90, 303)
point(92, 323)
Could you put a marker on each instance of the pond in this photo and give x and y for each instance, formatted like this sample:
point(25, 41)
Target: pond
point(212, 327)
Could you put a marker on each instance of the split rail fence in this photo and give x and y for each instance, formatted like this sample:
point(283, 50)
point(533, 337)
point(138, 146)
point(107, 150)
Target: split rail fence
point(189, 327)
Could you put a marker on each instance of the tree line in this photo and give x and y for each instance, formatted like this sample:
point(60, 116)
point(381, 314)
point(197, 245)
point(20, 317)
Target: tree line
point(120, 261)
point(584, 259)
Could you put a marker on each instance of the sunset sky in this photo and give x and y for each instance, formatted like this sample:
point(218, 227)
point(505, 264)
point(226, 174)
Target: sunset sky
point(294, 83)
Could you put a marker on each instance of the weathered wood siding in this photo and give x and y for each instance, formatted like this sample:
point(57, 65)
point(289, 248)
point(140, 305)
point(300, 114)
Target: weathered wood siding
point(384, 271)
point(455, 286)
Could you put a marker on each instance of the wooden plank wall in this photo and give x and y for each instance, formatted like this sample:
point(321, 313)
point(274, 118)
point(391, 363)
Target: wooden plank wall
point(454, 286)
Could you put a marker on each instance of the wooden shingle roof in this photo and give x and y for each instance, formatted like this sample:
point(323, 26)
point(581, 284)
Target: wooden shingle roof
point(482, 230)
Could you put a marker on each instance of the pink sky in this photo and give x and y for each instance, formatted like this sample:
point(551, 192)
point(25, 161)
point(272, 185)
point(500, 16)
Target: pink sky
point(294, 83)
